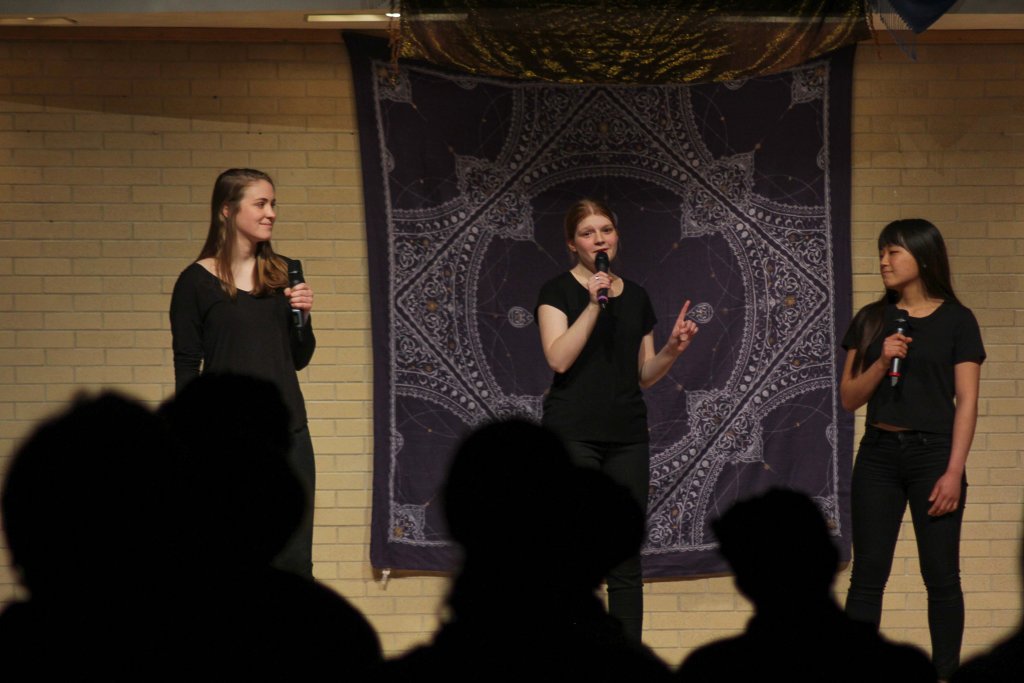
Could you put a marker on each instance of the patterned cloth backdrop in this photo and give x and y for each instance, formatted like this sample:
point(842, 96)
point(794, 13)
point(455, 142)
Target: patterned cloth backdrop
point(735, 196)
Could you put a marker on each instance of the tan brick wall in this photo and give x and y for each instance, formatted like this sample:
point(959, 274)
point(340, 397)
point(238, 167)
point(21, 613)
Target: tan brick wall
point(108, 151)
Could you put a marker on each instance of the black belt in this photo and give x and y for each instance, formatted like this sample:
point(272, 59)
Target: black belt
point(908, 436)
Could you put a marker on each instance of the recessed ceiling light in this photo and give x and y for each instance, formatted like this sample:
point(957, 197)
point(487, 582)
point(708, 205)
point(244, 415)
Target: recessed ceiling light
point(37, 21)
point(345, 18)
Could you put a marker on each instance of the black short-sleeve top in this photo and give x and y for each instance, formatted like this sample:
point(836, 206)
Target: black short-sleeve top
point(250, 335)
point(599, 398)
point(923, 400)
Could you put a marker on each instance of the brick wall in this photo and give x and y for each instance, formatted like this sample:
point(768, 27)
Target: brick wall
point(108, 151)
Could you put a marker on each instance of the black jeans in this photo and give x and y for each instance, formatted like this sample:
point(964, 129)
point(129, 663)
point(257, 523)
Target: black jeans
point(627, 464)
point(892, 470)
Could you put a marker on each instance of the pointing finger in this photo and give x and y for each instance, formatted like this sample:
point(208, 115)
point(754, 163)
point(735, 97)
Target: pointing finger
point(682, 313)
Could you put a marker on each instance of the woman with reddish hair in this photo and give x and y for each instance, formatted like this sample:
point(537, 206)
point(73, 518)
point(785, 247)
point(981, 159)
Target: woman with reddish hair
point(597, 333)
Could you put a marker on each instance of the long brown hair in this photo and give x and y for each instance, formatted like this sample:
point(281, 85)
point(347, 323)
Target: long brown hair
point(271, 270)
point(924, 242)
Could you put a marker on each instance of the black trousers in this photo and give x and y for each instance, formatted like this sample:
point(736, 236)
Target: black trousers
point(894, 469)
point(627, 464)
point(297, 555)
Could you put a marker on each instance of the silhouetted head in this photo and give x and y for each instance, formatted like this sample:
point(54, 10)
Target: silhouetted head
point(86, 498)
point(604, 526)
point(505, 487)
point(779, 547)
point(535, 530)
point(243, 500)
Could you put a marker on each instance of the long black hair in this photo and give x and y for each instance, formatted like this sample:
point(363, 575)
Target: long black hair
point(924, 242)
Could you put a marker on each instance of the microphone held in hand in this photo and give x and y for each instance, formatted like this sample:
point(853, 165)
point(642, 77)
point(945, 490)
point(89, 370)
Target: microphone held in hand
point(601, 263)
point(294, 278)
point(896, 366)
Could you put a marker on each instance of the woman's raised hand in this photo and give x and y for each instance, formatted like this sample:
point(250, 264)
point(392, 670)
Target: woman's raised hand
point(683, 331)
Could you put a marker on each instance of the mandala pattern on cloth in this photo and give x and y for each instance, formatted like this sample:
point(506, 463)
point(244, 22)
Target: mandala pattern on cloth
point(733, 195)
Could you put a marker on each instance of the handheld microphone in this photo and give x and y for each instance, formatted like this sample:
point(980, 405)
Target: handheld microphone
point(295, 277)
point(601, 263)
point(896, 367)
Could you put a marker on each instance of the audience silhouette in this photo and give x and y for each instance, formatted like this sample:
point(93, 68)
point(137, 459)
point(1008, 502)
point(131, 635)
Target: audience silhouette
point(85, 507)
point(146, 544)
point(537, 536)
point(784, 561)
point(1004, 662)
point(237, 612)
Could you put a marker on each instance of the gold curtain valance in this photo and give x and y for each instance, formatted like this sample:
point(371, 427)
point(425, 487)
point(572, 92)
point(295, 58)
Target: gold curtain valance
point(629, 41)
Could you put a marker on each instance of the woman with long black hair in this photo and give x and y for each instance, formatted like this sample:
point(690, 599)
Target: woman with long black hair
point(921, 418)
point(596, 330)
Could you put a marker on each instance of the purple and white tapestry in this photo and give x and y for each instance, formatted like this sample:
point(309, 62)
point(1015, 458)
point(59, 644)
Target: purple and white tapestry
point(734, 195)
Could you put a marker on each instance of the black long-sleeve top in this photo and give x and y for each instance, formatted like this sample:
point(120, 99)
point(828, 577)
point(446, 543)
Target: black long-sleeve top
point(251, 336)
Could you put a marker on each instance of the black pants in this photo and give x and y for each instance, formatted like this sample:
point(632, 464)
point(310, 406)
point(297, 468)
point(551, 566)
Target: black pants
point(629, 465)
point(892, 470)
point(297, 555)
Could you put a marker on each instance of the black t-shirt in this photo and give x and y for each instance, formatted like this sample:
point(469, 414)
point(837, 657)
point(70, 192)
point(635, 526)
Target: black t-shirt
point(599, 398)
point(923, 399)
point(248, 336)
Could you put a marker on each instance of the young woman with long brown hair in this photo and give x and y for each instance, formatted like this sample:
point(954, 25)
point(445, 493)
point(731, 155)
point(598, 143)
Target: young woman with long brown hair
point(233, 311)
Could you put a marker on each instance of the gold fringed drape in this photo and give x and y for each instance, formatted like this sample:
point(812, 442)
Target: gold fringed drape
point(625, 41)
